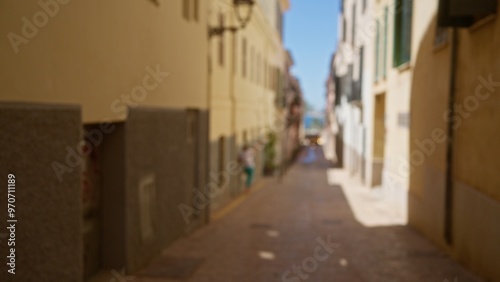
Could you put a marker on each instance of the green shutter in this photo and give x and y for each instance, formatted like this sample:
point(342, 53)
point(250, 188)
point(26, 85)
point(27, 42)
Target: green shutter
point(406, 36)
point(377, 51)
point(402, 32)
point(397, 32)
point(384, 50)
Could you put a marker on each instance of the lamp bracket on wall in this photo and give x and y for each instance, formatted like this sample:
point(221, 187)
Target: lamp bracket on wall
point(243, 11)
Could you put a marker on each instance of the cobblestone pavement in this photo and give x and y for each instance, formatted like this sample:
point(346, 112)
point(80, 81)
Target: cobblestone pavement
point(303, 229)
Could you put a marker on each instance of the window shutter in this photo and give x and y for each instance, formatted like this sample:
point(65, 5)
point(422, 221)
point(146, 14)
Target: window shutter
point(402, 32)
point(386, 33)
point(353, 30)
point(397, 34)
point(377, 51)
point(185, 9)
point(221, 41)
point(406, 30)
point(196, 12)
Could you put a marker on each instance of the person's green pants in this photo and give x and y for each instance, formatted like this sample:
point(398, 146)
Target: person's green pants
point(249, 173)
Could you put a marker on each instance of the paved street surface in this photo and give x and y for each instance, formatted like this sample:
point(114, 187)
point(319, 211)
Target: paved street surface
point(303, 229)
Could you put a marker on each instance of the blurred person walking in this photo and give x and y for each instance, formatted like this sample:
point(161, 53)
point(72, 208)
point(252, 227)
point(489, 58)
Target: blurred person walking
point(247, 160)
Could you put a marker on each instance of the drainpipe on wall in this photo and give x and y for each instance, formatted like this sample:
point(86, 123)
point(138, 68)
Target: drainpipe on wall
point(209, 109)
point(232, 85)
point(448, 213)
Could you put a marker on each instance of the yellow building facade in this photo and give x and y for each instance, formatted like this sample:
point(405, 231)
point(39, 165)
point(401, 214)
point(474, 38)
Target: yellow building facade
point(109, 104)
point(246, 69)
point(93, 53)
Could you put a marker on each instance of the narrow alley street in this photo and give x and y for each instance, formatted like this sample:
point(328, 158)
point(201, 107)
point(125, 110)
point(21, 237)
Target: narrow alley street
point(250, 140)
point(302, 229)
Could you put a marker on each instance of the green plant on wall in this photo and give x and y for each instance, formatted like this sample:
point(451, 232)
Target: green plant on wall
point(270, 153)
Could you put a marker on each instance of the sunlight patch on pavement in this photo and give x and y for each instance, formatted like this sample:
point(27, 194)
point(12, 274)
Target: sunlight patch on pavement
point(267, 255)
point(369, 209)
point(272, 233)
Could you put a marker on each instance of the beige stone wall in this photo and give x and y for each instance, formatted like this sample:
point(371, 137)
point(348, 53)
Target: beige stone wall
point(93, 52)
point(430, 92)
point(475, 201)
point(396, 88)
point(477, 154)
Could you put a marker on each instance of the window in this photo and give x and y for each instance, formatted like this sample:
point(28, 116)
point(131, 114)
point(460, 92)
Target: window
point(185, 8)
point(353, 30)
point(344, 30)
point(187, 13)
point(268, 76)
point(384, 42)
point(264, 73)
point(402, 32)
point(377, 51)
point(221, 41)
point(234, 48)
point(257, 70)
point(279, 17)
point(244, 57)
point(381, 45)
point(196, 12)
point(361, 70)
point(252, 63)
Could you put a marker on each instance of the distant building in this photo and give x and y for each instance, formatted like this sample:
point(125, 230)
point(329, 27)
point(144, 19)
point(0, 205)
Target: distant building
point(352, 78)
point(332, 147)
point(294, 111)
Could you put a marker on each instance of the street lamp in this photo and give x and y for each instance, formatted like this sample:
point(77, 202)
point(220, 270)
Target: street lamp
point(243, 10)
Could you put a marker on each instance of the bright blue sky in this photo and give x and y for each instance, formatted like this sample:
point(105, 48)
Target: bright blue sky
point(311, 35)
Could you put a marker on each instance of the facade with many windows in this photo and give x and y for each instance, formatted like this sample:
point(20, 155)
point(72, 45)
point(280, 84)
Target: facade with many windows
point(430, 120)
point(246, 72)
point(351, 77)
point(391, 91)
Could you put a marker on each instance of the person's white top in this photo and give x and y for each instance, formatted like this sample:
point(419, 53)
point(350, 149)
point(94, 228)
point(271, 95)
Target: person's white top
point(248, 158)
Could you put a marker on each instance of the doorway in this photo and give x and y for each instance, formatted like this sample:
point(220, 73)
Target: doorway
point(91, 202)
point(378, 140)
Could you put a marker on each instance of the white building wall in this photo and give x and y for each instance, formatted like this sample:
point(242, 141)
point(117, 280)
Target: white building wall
point(355, 117)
